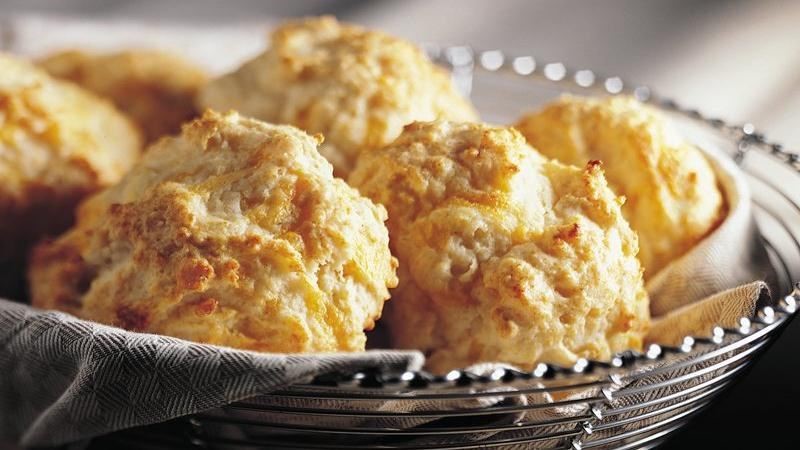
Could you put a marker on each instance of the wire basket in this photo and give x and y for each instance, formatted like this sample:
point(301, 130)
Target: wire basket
point(636, 400)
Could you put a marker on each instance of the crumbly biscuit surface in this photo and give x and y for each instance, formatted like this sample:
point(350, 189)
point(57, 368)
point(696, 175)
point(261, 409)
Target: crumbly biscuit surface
point(357, 87)
point(233, 233)
point(504, 255)
point(672, 197)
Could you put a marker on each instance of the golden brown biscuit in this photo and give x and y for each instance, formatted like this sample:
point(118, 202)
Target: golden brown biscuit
point(155, 88)
point(357, 87)
point(233, 233)
point(58, 143)
point(672, 197)
point(504, 255)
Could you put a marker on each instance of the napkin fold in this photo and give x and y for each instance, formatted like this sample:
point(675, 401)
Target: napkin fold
point(732, 255)
point(724, 309)
point(722, 278)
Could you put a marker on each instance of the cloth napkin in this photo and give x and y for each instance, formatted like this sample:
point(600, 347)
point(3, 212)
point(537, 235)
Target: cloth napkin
point(696, 291)
point(65, 379)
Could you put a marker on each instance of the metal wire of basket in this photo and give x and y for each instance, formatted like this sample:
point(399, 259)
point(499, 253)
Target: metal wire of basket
point(636, 400)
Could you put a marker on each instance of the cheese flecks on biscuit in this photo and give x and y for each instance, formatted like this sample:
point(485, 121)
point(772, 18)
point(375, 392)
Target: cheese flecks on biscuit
point(356, 86)
point(504, 254)
point(672, 197)
point(233, 233)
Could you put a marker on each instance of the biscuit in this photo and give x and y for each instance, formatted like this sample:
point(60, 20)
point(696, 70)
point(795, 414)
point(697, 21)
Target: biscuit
point(504, 254)
point(357, 87)
point(671, 191)
point(233, 233)
point(58, 144)
point(155, 88)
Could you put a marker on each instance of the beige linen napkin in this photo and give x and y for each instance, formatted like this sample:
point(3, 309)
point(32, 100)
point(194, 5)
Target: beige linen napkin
point(698, 319)
point(730, 256)
point(722, 278)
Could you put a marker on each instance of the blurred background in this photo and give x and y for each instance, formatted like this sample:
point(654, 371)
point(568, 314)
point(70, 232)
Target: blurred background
point(739, 60)
point(736, 59)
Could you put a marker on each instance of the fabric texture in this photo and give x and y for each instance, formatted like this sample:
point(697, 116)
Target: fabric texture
point(723, 309)
point(66, 379)
point(720, 280)
point(730, 256)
